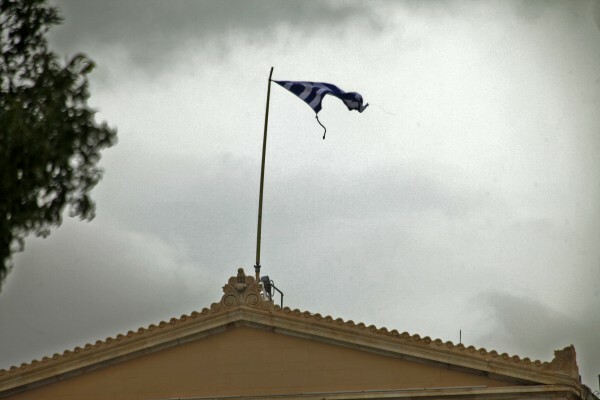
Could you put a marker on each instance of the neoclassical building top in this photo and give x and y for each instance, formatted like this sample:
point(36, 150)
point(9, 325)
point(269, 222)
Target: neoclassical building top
point(244, 303)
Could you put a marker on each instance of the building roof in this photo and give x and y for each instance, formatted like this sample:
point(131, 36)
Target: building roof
point(244, 304)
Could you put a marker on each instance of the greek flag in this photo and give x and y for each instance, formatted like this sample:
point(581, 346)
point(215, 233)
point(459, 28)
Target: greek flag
point(313, 92)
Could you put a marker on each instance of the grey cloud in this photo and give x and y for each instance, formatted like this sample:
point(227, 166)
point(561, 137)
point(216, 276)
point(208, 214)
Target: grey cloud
point(596, 13)
point(95, 294)
point(221, 198)
point(156, 30)
point(380, 193)
point(210, 204)
point(575, 11)
point(517, 320)
point(533, 9)
point(534, 329)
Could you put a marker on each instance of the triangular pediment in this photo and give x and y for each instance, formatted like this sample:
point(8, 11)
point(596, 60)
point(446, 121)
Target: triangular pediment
point(243, 360)
point(245, 345)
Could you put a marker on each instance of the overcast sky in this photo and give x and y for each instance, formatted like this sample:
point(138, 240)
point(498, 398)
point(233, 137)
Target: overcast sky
point(466, 197)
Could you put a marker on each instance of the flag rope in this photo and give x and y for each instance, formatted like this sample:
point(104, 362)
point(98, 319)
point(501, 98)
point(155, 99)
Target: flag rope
point(324, 133)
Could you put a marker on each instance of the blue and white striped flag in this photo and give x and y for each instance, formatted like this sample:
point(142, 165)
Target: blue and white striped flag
point(313, 92)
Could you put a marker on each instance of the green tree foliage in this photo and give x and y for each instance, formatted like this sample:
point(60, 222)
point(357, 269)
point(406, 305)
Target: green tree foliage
point(49, 141)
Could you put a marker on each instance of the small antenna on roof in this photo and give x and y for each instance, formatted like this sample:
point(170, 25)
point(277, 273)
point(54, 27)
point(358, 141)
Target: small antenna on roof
point(268, 286)
point(460, 336)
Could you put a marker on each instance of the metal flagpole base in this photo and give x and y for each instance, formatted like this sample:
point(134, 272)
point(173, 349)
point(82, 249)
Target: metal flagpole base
point(257, 272)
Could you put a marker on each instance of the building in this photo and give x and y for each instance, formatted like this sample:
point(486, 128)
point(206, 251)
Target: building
point(247, 347)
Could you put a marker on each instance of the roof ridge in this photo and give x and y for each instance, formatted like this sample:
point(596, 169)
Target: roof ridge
point(560, 361)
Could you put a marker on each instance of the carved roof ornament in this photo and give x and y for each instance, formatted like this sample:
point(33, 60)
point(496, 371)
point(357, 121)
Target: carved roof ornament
point(242, 290)
point(565, 360)
point(241, 280)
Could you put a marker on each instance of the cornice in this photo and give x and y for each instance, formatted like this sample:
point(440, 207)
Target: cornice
point(243, 303)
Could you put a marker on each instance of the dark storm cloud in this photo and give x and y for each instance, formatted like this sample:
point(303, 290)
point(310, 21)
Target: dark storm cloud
point(534, 9)
point(519, 320)
point(153, 30)
point(596, 14)
point(527, 325)
point(111, 297)
point(574, 10)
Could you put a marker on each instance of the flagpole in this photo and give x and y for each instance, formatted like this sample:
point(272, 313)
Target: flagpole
point(262, 182)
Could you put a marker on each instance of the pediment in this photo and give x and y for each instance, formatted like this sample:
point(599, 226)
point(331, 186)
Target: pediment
point(246, 345)
point(256, 362)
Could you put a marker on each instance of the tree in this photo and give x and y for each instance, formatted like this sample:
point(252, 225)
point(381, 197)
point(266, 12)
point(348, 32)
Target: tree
point(49, 140)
